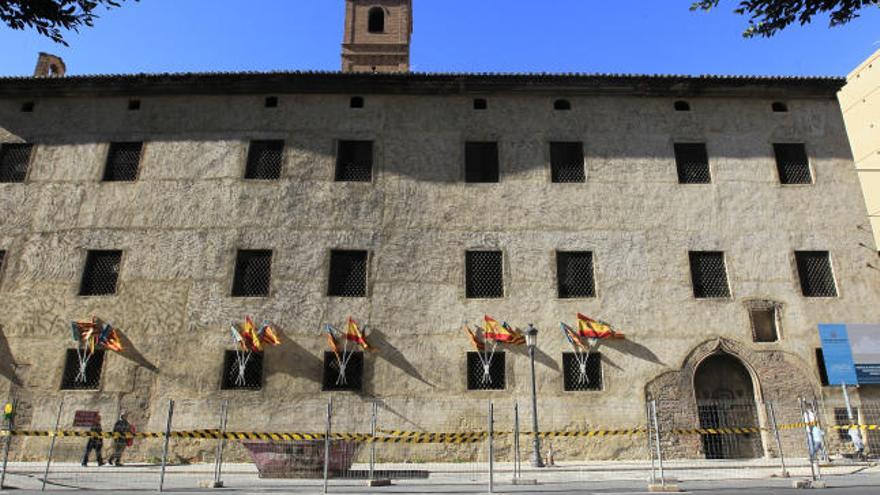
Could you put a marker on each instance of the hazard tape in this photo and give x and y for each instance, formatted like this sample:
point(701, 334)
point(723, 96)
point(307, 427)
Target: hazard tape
point(861, 427)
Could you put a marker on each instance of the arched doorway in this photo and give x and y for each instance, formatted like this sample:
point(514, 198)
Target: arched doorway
point(726, 399)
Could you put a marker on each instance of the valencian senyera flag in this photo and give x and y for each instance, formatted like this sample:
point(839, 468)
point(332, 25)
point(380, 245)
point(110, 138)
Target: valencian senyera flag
point(478, 345)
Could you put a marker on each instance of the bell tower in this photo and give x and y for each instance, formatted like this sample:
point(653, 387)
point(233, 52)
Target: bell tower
point(377, 35)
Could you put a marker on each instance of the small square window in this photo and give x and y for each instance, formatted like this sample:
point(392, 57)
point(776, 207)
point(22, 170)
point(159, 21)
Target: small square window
point(74, 379)
point(792, 163)
point(764, 323)
point(480, 104)
point(814, 270)
point(582, 372)
point(481, 162)
point(490, 376)
point(271, 102)
point(253, 273)
point(27, 107)
point(354, 161)
point(14, 161)
point(484, 275)
point(820, 367)
point(779, 107)
point(354, 372)
point(692, 162)
point(251, 379)
point(562, 105)
point(574, 273)
point(101, 273)
point(264, 160)
point(356, 102)
point(123, 162)
point(348, 274)
point(709, 275)
point(134, 105)
point(682, 106)
point(567, 162)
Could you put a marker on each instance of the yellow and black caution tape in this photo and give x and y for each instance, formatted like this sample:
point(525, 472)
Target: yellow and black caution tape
point(861, 427)
point(591, 433)
point(716, 431)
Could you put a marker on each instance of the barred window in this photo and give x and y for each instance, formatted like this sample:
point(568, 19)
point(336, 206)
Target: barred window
point(692, 162)
point(478, 379)
point(574, 273)
point(709, 275)
point(354, 373)
point(28, 107)
point(101, 273)
point(814, 270)
point(264, 160)
point(72, 379)
point(354, 161)
point(567, 162)
point(348, 274)
point(253, 371)
point(134, 105)
point(14, 161)
point(271, 102)
point(576, 379)
point(481, 162)
point(356, 102)
point(764, 323)
point(792, 163)
point(480, 104)
point(820, 367)
point(484, 274)
point(123, 161)
point(253, 273)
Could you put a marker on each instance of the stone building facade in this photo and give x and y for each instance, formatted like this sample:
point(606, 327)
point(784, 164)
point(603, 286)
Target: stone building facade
point(377, 35)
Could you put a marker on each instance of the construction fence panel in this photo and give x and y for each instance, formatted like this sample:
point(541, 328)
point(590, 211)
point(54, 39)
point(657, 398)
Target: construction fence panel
point(25, 442)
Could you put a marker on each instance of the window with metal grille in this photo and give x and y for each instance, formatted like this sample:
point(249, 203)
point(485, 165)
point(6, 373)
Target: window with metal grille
point(567, 162)
point(481, 162)
point(265, 159)
point(73, 380)
point(692, 162)
point(820, 367)
point(101, 273)
point(271, 102)
point(27, 107)
point(814, 270)
point(574, 273)
point(253, 371)
point(356, 102)
point(484, 274)
point(841, 418)
point(253, 273)
point(478, 379)
point(480, 104)
point(348, 274)
point(14, 161)
point(576, 379)
point(354, 161)
point(123, 161)
point(562, 105)
point(709, 275)
point(354, 373)
point(134, 105)
point(764, 323)
point(792, 163)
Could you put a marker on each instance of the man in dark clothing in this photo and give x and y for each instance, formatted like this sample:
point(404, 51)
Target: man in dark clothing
point(94, 443)
point(122, 426)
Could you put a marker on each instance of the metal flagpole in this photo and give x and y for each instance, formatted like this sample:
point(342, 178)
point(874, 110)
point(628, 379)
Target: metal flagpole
point(218, 467)
point(52, 444)
point(165, 447)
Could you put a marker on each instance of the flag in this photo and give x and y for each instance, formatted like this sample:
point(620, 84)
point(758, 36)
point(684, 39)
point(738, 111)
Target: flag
point(74, 330)
point(474, 340)
point(354, 334)
point(237, 339)
point(110, 339)
point(268, 335)
point(331, 339)
point(517, 337)
point(593, 329)
point(501, 333)
point(571, 336)
point(250, 335)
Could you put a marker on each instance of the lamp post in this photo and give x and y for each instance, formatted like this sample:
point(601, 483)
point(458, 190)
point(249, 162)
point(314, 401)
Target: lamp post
point(532, 342)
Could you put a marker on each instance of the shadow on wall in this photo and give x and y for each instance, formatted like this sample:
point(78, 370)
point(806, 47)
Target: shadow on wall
point(541, 357)
point(131, 353)
point(7, 362)
point(295, 360)
point(636, 350)
point(387, 351)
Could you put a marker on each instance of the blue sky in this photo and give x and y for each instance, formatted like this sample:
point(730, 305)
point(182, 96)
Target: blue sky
point(637, 36)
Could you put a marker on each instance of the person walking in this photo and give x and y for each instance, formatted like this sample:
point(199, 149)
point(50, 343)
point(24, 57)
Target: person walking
point(855, 435)
point(122, 426)
point(95, 443)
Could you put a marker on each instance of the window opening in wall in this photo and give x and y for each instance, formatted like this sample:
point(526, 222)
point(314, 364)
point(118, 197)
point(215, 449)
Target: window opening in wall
point(814, 271)
point(271, 102)
point(574, 273)
point(792, 163)
point(354, 161)
point(480, 104)
point(779, 107)
point(820, 367)
point(476, 379)
point(764, 318)
point(253, 273)
point(123, 162)
point(561, 105)
point(709, 275)
point(481, 162)
point(28, 107)
point(572, 380)
point(356, 102)
point(253, 371)
point(265, 160)
point(14, 161)
point(376, 20)
point(134, 105)
point(682, 106)
point(71, 379)
point(567, 162)
point(101, 273)
point(484, 274)
point(348, 273)
point(841, 418)
point(354, 373)
point(692, 163)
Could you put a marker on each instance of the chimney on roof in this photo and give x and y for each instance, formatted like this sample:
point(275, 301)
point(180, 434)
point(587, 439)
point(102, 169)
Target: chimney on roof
point(49, 65)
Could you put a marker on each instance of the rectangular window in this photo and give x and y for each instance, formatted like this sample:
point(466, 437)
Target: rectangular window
point(574, 273)
point(123, 161)
point(348, 274)
point(820, 366)
point(352, 381)
point(251, 379)
point(580, 378)
point(481, 162)
point(490, 376)
point(74, 379)
point(692, 162)
point(14, 161)
point(484, 274)
point(354, 161)
point(567, 162)
point(841, 418)
point(264, 160)
point(814, 270)
point(709, 275)
point(792, 163)
point(764, 324)
point(101, 273)
point(253, 273)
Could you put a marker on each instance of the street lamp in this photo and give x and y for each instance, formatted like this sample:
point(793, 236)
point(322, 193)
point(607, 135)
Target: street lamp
point(532, 342)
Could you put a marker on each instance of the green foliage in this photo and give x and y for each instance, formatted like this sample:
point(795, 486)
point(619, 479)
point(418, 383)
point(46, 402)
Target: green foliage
point(768, 17)
point(50, 17)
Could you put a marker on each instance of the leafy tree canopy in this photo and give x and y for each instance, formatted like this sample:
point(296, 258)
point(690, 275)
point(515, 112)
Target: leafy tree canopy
point(50, 17)
point(768, 17)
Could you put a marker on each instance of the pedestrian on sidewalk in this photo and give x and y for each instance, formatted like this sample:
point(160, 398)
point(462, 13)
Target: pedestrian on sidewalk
point(95, 443)
point(122, 427)
point(856, 436)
